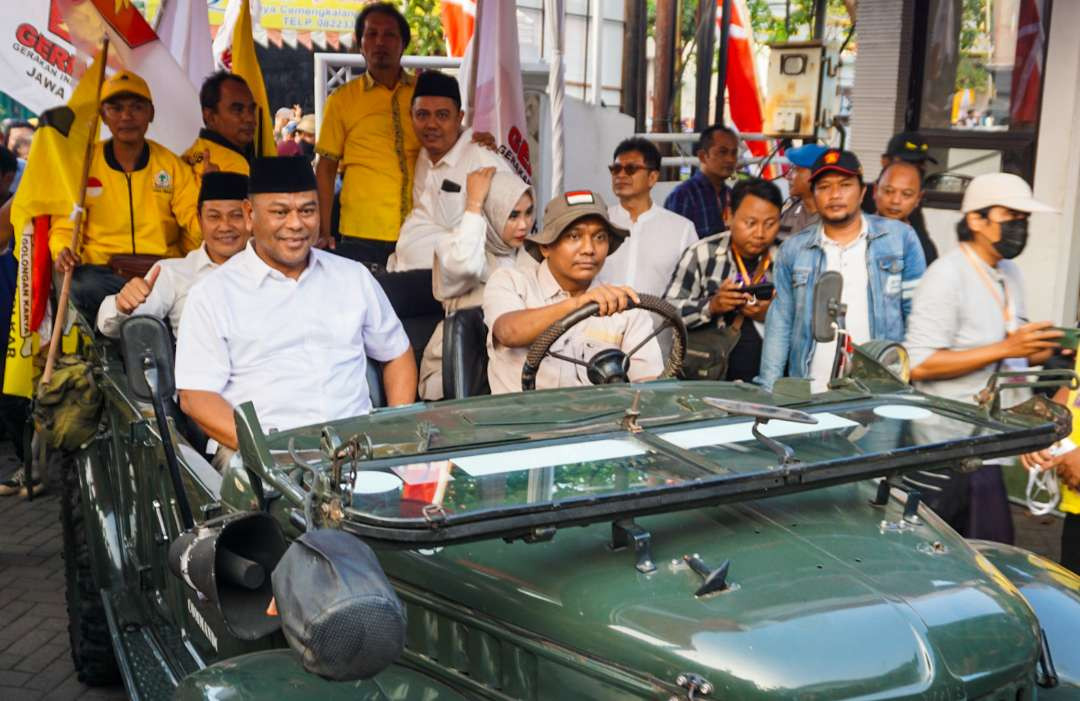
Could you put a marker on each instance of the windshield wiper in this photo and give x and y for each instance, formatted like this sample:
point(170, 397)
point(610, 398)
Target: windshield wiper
point(762, 414)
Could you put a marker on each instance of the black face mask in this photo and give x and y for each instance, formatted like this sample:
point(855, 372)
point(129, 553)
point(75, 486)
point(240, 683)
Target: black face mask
point(1014, 236)
point(307, 149)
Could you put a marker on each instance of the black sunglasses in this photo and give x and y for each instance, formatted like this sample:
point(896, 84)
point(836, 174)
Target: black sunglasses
point(630, 168)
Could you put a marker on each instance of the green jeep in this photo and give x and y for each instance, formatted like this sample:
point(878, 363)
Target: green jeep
point(668, 540)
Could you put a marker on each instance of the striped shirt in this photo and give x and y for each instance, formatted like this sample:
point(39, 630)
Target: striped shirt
point(699, 274)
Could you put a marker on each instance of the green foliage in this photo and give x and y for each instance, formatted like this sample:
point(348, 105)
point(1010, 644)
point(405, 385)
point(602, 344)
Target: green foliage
point(425, 23)
point(974, 31)
point(770, 28)
point(687, 25)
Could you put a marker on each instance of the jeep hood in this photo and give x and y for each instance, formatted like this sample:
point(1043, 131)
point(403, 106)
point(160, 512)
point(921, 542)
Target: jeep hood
point(824, 604)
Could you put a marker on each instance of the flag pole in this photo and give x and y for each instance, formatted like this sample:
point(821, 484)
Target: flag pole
point(474, 65)
point(78, 221)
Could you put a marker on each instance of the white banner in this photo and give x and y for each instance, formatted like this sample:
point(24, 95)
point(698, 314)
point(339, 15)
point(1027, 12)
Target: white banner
point(498, 103)
point(37, 62)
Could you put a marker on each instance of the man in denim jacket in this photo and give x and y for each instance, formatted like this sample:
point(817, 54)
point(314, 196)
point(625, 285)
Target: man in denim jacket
point(881, 261)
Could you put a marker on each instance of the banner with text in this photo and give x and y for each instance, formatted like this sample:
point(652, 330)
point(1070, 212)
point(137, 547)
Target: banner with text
point(38, 67)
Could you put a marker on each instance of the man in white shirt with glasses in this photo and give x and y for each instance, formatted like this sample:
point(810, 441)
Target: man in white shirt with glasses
point(658, 236)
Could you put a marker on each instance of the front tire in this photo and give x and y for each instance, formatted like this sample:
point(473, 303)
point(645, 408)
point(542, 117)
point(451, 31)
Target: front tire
point(88, 628)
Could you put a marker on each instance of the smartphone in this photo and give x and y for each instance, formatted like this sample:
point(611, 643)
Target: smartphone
point(764, 291)
point(1071, 339)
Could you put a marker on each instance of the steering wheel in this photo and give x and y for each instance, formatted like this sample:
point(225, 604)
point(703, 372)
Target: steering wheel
point(610, 365)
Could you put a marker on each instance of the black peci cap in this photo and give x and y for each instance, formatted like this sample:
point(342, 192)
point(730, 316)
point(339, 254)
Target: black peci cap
point(281, 174)
point(222, 185)
point(437, 84)
point(836, 161)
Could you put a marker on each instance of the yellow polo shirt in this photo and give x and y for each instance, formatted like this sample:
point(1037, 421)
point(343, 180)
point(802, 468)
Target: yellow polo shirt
point(366, 127)
point(223, 154)
point(1070, 500)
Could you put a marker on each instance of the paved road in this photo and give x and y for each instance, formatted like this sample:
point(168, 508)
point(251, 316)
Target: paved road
point(35, 662)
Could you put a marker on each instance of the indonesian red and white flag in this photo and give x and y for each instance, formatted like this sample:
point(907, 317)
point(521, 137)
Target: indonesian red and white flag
point(135, 46)
point(744, 94)
point(458, 18)
point(494, 94)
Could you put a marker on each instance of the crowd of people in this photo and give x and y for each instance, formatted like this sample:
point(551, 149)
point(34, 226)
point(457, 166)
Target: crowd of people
point(238, 251)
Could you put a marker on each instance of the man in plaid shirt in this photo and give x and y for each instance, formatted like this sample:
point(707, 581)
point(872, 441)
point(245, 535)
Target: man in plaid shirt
point(709, 282)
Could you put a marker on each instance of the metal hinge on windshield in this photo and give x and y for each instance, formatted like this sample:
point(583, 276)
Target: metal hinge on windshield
point(989, 398)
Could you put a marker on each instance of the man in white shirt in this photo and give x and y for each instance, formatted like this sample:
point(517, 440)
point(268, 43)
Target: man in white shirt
point(658, 236)
point(522, 301)
point(284, 325)
point(448, 155)
point(162, 293)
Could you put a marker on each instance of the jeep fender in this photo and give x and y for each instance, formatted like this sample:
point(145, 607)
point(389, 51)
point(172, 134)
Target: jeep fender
point(100, 514)
point(1053, 592)
point(278, 675)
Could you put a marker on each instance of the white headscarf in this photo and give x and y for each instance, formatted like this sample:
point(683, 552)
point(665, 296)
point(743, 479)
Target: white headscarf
point(506, 189)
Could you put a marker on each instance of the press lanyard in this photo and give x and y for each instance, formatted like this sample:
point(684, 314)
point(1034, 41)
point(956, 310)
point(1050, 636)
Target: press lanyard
point(744, 276)
point(1001, 295)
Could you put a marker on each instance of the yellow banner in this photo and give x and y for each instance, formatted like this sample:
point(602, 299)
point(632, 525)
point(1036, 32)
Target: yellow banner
point(299, 15)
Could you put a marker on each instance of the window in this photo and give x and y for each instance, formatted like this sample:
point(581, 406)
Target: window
point(976, 88)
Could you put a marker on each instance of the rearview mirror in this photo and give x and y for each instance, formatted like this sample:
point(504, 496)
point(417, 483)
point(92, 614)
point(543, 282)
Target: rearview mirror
point(147, 345)
point(827, 305)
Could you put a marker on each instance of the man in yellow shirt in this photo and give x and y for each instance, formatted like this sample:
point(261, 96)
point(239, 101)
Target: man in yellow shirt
point(227, 140)
point(140, 199)
point(366, 130)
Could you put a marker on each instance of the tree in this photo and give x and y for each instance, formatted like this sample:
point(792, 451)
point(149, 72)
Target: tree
point(772, 28)
point(425, 23)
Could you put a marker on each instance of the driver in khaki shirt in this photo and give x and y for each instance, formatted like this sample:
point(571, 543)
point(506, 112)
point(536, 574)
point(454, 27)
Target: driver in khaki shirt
point(522, 301)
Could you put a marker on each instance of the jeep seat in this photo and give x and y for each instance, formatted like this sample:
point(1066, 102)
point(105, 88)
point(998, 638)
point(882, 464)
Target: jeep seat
point(465, 358)
point(411, 297)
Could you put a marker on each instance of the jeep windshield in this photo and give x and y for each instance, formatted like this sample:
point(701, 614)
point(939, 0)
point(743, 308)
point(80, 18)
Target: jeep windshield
point(412, 482)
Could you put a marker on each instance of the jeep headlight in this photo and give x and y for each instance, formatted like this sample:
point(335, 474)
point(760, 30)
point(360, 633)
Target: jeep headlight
point(892, 356)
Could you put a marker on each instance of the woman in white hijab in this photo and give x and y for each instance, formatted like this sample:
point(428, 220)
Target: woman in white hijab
point(499, 214)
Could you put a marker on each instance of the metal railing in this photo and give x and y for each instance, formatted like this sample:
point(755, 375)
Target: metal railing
point(333, 70)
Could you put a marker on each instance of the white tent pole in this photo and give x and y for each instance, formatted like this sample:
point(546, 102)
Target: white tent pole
point(596, 53)
point(555, 12)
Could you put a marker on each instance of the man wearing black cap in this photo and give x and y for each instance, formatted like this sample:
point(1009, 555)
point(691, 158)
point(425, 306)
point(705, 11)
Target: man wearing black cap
point(909, 147)
point(163, 291)
point(251, 332)
point(448, 155)
point(522, 301)
point(881, 262)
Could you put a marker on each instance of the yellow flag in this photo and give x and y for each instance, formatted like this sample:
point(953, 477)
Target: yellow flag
point(50, 186)
point(246, 65)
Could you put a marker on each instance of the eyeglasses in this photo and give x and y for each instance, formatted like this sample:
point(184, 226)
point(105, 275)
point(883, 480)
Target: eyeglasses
point(630, 168)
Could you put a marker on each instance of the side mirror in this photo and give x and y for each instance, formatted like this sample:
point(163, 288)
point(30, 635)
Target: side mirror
point(828, 309)
point(148, 357)
point(148, 360)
